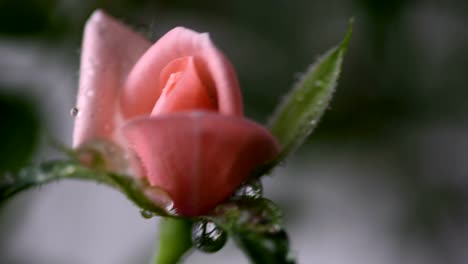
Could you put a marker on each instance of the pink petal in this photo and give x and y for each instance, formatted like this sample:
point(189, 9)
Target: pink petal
point(183, 89)
point(109, 51)
point(199, 158)
point(142, 88)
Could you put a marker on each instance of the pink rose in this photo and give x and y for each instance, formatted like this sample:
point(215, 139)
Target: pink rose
point(176, 104)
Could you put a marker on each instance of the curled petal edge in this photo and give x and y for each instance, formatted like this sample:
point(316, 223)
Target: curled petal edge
point(142, 88)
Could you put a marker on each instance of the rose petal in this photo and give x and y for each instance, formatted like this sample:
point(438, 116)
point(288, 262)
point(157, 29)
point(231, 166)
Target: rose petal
point(142, 88)
point(199, 158)
point(109, 51)
point(184, 90)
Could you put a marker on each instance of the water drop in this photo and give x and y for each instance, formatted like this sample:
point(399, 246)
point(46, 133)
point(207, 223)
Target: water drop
point(146, 214)
point(74, 112)
point(208, 237)
point(252, 189)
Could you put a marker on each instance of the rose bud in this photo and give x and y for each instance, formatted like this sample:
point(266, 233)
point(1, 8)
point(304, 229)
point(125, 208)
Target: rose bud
point(176, 105)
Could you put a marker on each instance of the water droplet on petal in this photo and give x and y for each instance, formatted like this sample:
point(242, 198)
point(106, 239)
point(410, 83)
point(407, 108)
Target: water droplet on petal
point(74, 112)
point(252, 189)
point(146, 214)
point(208, 237)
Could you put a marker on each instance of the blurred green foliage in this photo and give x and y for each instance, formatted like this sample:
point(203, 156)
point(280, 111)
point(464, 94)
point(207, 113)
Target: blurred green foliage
point(30, 18)
point(19, 132)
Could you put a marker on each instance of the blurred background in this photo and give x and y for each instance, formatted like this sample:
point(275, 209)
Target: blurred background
point(382, 180)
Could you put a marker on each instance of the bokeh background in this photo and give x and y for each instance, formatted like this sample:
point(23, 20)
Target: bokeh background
point(382, 180)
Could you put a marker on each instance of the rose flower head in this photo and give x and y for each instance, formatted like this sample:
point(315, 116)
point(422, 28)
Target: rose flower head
point(176, 104)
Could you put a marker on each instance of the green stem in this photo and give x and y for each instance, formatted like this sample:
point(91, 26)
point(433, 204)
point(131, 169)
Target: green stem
point(175, 240)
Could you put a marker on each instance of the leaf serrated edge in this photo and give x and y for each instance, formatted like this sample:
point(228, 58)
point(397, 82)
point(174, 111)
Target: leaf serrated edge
point(340, 51)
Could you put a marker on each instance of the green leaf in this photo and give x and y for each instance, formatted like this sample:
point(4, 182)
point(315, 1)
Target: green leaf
point(34, 176)
point(297, 116)
point(256, 227)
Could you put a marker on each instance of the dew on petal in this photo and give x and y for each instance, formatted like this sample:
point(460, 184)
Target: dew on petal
point(74, 112)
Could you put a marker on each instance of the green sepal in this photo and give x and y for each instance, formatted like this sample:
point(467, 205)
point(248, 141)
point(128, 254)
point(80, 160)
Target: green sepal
point(256, 227)
point(299, 113)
